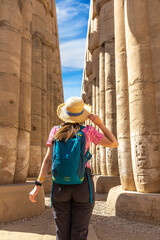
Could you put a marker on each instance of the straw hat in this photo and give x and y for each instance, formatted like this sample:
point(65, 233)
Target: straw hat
point(74, 110)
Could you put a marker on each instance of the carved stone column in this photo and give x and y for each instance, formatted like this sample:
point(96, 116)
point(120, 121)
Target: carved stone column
point(142, 102)
point(23, 145)
point(105, 9)
point(10, 51)
point(93, 111)
point(49, 69)
point(94, 49)
point(110, 91)
point(123, 124)
point(35, 148)
point(54, 99)
point(89, 68)
point(55, 83)
point(90, 84)
point(154, 23)
point(102, 104)
point(98, 171)
point(95, 57)
point(44, 101)
point(58, 95)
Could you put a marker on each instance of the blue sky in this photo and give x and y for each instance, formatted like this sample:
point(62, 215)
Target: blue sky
point(72, 27)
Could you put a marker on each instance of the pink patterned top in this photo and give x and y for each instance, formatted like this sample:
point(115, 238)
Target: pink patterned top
point(91, 135)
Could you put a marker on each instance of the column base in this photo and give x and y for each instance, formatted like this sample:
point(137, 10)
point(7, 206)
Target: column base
point(142, 207)
point(104, 183)
point(15, 203)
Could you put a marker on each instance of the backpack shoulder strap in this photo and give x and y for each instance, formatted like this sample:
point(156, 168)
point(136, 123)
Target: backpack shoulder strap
point(82, 127)
point(88, 155)
point(80, 131)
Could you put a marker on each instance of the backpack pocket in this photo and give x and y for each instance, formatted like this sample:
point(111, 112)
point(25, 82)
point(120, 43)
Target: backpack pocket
point(54, 169)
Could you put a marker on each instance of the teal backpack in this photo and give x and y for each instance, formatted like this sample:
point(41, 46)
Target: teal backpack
point(69, 159)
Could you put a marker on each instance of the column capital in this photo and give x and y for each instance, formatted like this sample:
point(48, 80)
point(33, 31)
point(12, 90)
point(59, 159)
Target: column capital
point(93, 41)
point(99, 4)
point(88, 68)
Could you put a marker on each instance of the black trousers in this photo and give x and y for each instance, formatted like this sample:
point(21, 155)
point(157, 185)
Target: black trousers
point(72, 209)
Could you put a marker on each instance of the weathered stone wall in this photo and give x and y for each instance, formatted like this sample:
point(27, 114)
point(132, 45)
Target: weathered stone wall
point(128, 89)
point(30, 85)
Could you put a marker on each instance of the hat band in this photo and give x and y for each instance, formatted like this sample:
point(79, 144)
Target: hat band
point(74, 114)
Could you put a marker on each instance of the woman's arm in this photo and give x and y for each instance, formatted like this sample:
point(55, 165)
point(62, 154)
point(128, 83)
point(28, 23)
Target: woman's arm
point(45, 168)
point(109, 139)
point(46, 165)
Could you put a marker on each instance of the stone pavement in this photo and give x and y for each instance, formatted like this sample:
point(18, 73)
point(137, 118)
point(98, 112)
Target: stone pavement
point(36, 228)
point(34, 231)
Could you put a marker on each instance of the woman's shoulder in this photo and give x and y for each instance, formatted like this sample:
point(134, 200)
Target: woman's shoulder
point(55, 127)
point(94, 135)
point(88, 128)
point(54, 130)
point(51, 135)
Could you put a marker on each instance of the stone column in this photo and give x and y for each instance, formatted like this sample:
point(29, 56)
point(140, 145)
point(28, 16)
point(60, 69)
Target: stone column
point(94, 111)
point(94, 50)
point(53, 94)
point(36, 137)
point(62, 95)
point(55, 99)
point(102, 105)
point(54, 120)
point(51, 100)
point(55, 80)
point(98, 171)
point(10, 51)
point(90, 83)
point(49, 52)
point(52, 47)
point(59, 87)
point(91, 90)
point(44, 101)
point(154, 23)
point(89, 77)
point(88, 88)
point(123, 124)
point(35, 151)
point(58, 96)
point(23, 145)
point(49, 37)
point(86, 82)
point(110, 91)
point(96, 70)
point(90, 93)
point(95, 57)
point(142, 102)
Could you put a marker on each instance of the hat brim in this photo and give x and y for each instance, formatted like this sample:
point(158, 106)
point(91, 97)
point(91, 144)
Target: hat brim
point(73, 119)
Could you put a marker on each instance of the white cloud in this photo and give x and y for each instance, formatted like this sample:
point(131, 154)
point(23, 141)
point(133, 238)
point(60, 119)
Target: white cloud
point(69, 69)
point(70, 30)
point(67, 9)
point(71, 83)
point(72, 27)
point(72, 17)
point(72, 53)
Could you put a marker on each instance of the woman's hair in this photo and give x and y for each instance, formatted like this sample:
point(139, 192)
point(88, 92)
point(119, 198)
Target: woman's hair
point(66, 131)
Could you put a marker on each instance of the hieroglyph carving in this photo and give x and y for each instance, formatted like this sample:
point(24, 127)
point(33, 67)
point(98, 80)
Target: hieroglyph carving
point(141, 162)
